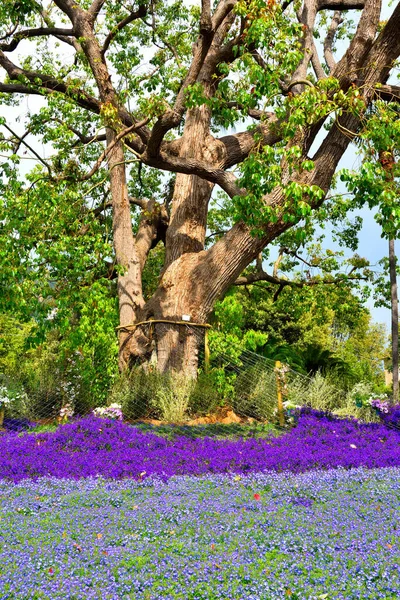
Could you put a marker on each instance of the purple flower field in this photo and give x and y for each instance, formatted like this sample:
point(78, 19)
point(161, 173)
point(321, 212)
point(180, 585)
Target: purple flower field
point(98, 509)
point(317, 536)
point(111, 449)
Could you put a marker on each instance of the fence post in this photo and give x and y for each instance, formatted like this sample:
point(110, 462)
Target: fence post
point(206, 351)
point(278, 369)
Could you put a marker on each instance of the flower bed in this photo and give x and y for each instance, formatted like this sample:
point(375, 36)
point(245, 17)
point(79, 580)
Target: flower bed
point(318, 535)
point(112, 449)
point(391, 417)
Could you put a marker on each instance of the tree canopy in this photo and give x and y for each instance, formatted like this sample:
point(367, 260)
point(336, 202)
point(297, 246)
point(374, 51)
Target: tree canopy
point(144, 109)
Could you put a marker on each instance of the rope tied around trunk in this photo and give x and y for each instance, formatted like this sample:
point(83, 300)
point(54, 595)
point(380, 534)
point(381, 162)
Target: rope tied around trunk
point(151, 321)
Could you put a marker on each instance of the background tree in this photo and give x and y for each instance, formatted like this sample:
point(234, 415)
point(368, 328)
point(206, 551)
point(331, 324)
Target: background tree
point(395, 320)
point(312, 328)
point(112, 123)
point(377, 184)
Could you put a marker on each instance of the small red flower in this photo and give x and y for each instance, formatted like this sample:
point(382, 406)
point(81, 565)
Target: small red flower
point(257, 497)
point(51, 570)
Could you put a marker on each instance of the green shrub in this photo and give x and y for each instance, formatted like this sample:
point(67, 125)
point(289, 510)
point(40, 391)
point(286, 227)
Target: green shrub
point(256, 394)
point(169, 397)
point(135, 391)
point(206, 396)
point(45, 397)
point(171, 400)
point(323, 393)
point(51, 387)
point(13, 397)
point(356, 403)
point(318, 392)
point(360, 393)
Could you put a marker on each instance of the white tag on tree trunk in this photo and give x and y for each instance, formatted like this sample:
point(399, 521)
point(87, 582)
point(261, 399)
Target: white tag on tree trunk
point(185, 317)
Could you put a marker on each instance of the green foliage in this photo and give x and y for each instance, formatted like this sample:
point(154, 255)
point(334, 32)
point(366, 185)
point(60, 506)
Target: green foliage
point(356, 403)
point(14, 337)
point(51, 378)
point(145, 394)
point(150, 394)
point(312, 328)
point(171, 400)
point(365, 349)
point(256, 394)
point(376, 183)
point(228, 339)
point(230, 314)
point(320, 359)
point(50, 372)
point(206, 396)
point(318, 392)
point(53, 262)
point(135, 391)
point(262, 170)
point(327, 393)
point(13, 398)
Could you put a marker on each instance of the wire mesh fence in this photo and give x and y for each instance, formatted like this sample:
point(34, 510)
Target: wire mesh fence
point(228, 376)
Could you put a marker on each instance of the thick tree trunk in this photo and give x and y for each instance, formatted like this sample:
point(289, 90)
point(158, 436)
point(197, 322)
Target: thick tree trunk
point(395, 320)
point(178, 349)
point(176, 346)
point(188, 219)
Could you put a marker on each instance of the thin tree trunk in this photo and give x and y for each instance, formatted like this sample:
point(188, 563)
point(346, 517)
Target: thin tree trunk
point(386, 158)
point(395, 320)
point(129, 284)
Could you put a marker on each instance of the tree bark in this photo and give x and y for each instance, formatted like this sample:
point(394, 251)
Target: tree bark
point(178, 349)
point(177, 346)
point(395, 320)
point(129, 283)
point(188, 219)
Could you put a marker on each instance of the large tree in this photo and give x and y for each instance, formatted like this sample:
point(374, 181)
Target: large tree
point(114, 123)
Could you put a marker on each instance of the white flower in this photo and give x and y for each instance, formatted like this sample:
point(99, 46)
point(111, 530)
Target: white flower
point(67, 411)
point(288, 404)
point(5, 400)
point(52, 314)
point(114, 411)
